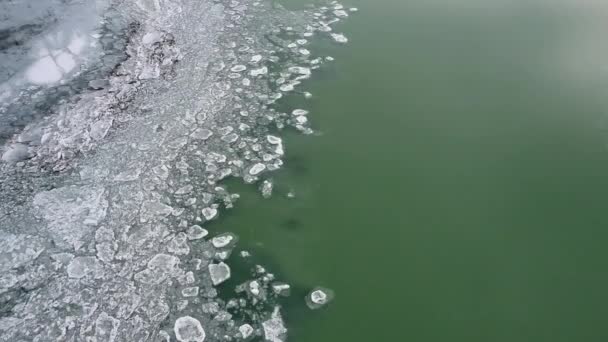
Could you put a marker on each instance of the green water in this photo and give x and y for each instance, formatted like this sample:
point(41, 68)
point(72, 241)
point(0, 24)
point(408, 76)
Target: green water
point(458, 189)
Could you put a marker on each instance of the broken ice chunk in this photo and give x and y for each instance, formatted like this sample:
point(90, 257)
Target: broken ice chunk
point(300, 70)
point(298, 112)
point(246, 330)
point(190, 291)
point(44, 71)
point(189, 329)
point(196, 232)
point(219, 273)
point(259, 72)
point(319, 297)
point(287, 87)
point(254, 287)
point(209, 213)
point(178, 245)
point(266, 189)
point(15, 153)
point(281, 289)
point(201, 134)
point(238, 68)
point(274, 329)
point(223, 240)
point(273, 140)
point(339, 38)
point(151, 38)
point(257, 169)
point(340, 13)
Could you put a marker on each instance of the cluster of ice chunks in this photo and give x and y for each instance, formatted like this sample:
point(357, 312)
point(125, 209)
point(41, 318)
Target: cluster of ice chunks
point(237, 147)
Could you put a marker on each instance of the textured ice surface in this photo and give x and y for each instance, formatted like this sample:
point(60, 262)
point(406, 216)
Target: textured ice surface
point(189, 329)
point(219, 273)
point(274, 328)
point(103, 195)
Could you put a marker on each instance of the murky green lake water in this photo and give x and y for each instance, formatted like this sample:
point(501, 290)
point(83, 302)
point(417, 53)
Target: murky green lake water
point(458, 187)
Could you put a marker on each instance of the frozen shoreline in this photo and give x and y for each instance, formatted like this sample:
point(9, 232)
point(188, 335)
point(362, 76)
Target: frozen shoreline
point(103, 198)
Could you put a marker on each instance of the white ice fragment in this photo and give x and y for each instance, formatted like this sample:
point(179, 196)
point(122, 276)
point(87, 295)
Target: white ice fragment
point(254, 287)
point(304, 52)
point(257, 169)
point(266, 189)
point(274, 140)
point(256, 58)
point(246, 330)
point(150, 38)
point(340, 13)
point(302, 41)
point(307, 95)
point(196, 232)
point(319, 297)
point(15, 153)
point(222, 240)
point(44, 71)
point(238, 68)
point(77, 44)
point(258, 72)
point(230, 138)
point(300, 70)
point(223, 255)
point(281, 289)
point(201, 134)
point(190, 291)
point(301, 119)
point(353, 9)
point(339, 38)
point(178, 245)
point(298, 112)
point(287, 87)
point(274, 328)
point(164, 263)
point(219, 273)
point(188, 329)
point(209, 213)
point(325, 28)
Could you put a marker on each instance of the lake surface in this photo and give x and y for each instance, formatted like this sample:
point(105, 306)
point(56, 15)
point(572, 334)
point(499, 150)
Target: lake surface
point(457, 189)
